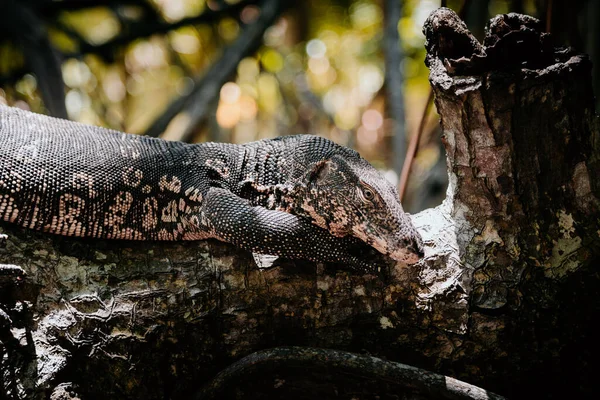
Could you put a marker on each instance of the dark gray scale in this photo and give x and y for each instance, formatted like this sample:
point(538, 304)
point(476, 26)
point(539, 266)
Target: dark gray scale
point(77, 180)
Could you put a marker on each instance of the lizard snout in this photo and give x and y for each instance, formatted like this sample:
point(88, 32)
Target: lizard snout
point(409, 251)
point(416, 249)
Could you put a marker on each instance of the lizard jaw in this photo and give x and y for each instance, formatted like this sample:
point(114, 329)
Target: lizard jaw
point(406, 255)
point(409, 254)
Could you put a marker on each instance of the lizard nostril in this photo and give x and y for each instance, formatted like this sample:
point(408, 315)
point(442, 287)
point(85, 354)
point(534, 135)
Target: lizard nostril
point(416, 247)
point(420, 252)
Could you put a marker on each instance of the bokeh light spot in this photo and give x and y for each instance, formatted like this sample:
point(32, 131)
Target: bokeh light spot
point(316, 48)
point(272, 60)
point(372, 120)
point(228, 115)
point(318, 65)
point(185, 43)
point(113, 86)
point(250, 14)
point(248, 108)
point(366, 137)
point(370, 79)
point(230, 93)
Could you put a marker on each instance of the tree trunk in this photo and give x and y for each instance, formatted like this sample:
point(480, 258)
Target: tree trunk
point(504, 298)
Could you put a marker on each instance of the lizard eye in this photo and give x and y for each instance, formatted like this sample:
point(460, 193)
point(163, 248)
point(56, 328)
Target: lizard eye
point(367, 194)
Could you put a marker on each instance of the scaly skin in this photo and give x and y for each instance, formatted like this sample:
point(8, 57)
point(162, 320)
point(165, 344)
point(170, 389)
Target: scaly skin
point(296, 196)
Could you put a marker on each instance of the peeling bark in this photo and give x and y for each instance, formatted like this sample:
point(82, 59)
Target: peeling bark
point(504, 298)
point(521, 136)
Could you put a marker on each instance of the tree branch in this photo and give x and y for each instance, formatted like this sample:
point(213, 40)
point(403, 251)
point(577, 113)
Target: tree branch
point(273, 361)
point(149, 28)
point(394, 81)
point(196, 104)
point(28, 30)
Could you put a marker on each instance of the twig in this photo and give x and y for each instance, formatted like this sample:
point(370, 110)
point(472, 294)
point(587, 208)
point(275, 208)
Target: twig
point(414, 140)
point(149, 28)
point(394, 80)
point(197, 102)
point(47, 7)
point(341, 362)
point(549, 16)
point(29, 32)
point(412, 148)
point(303, 88)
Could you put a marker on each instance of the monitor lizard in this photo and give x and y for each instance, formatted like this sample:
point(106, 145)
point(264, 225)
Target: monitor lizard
point(299, 196)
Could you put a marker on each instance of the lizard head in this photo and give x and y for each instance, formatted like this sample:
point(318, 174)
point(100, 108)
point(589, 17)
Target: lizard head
point(347, 196)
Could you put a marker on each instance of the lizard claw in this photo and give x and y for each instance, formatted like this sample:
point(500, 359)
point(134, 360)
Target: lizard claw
point(264, 261)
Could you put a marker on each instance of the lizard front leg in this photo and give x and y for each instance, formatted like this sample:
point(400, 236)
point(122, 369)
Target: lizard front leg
point(234, 220)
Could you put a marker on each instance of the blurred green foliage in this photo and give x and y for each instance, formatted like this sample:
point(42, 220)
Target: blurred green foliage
point(320, 69)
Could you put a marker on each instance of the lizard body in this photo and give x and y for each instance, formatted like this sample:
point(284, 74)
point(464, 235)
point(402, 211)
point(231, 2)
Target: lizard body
point(296, 196)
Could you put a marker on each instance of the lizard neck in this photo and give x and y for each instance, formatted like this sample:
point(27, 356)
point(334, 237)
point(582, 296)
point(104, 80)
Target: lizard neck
point(281, 197)
point(293, 198)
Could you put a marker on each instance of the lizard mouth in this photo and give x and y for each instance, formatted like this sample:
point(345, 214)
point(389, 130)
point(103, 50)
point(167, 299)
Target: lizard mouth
point(408, 255)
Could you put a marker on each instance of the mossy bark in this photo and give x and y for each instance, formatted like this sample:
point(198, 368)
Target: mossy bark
point(503, 299)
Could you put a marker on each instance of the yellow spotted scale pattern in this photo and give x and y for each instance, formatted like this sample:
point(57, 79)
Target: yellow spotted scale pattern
point(295, 196)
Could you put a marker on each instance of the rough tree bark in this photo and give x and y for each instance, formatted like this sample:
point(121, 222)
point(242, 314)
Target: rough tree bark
point(504, 299)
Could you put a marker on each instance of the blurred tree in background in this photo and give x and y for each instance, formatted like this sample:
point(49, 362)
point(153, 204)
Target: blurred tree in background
point(226, 70)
